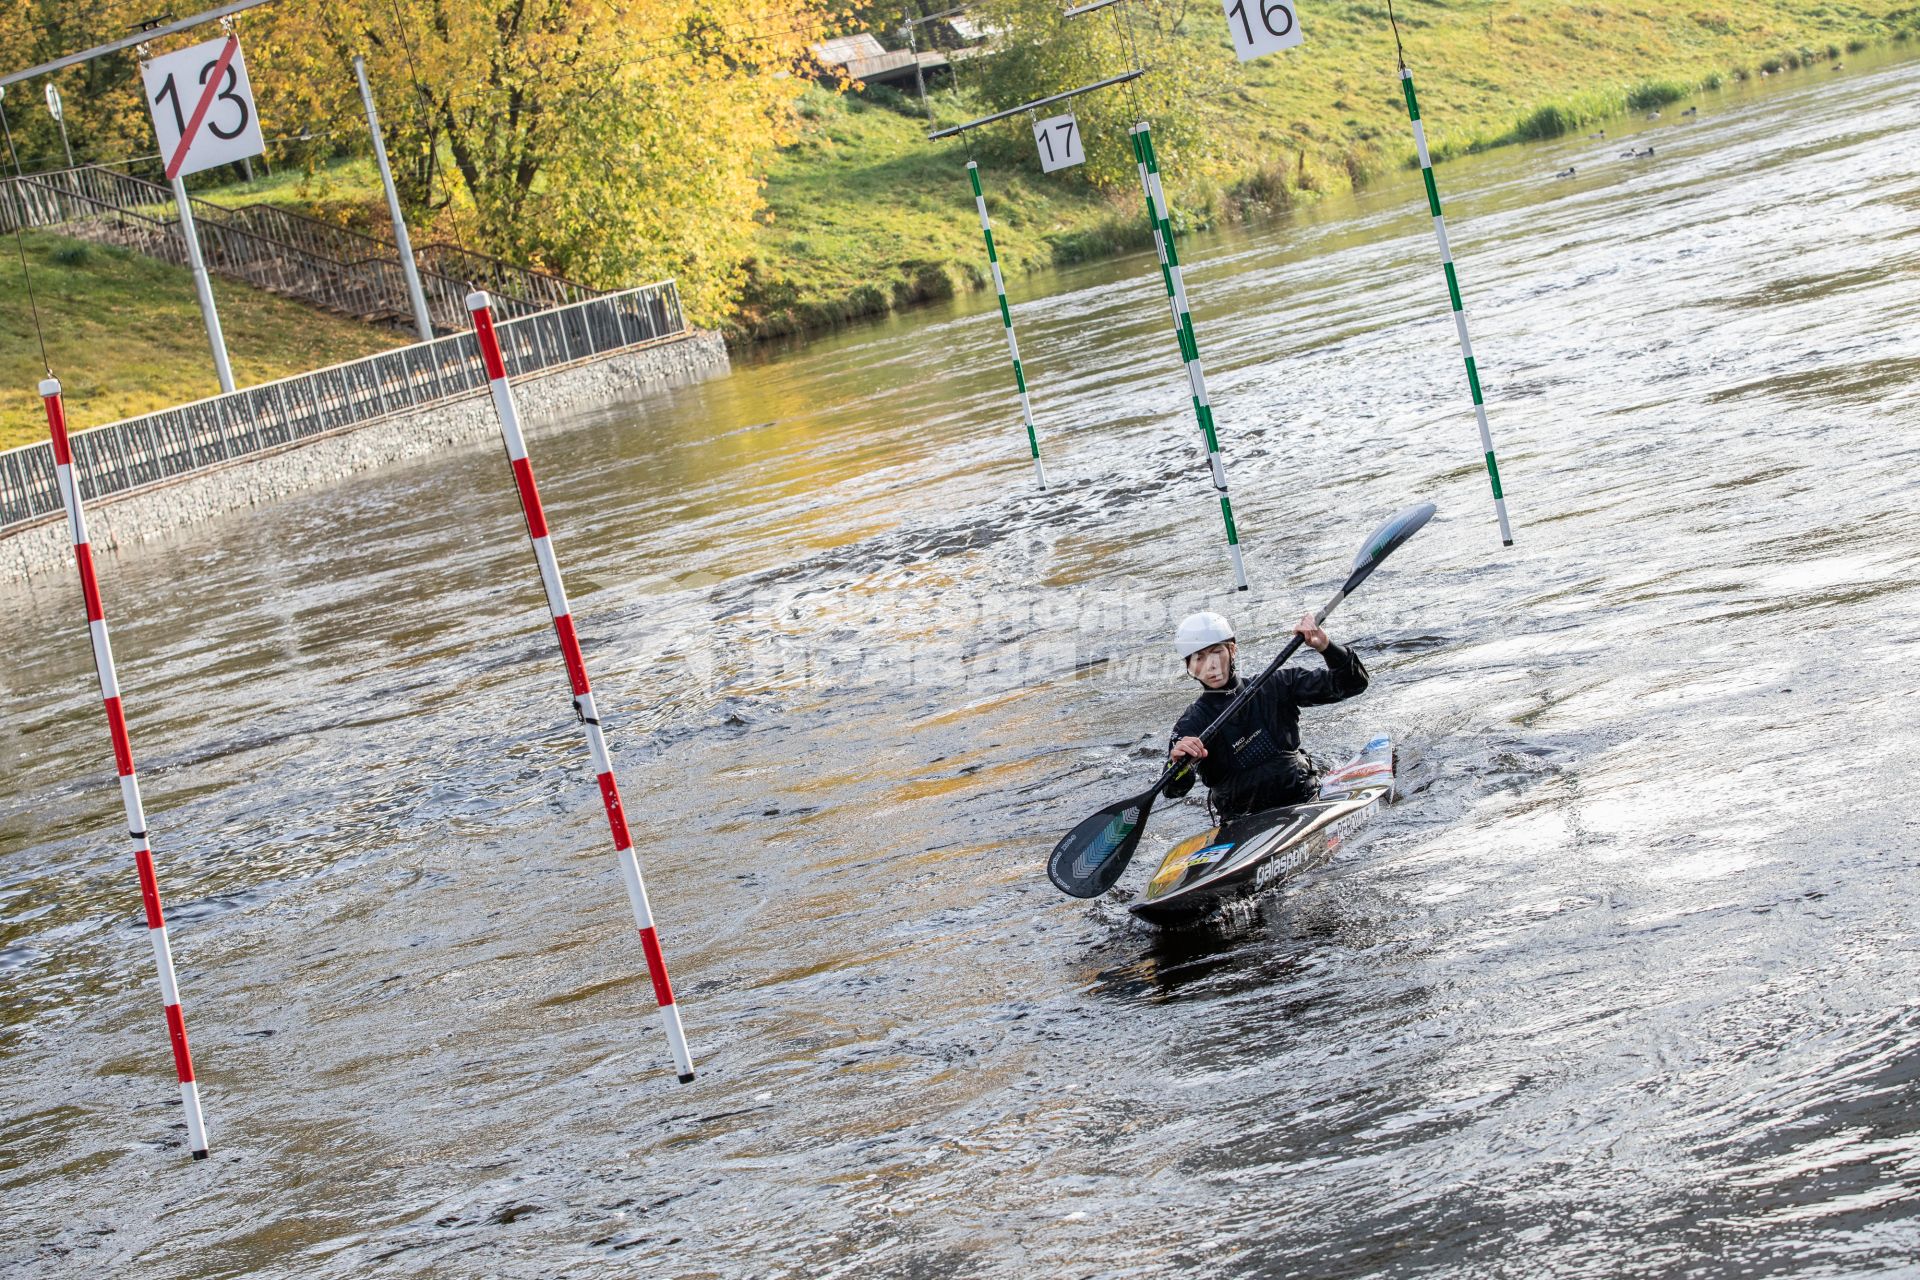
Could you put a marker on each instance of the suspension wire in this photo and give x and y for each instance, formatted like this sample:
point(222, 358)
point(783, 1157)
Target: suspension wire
point(953, 74)
point(20, 243)
point(919, 72)
point(1399, 54)
point(425, 106)
point(1128, 45)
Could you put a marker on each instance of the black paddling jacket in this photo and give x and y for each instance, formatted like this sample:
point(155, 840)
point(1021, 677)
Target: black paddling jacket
point(1255, 761)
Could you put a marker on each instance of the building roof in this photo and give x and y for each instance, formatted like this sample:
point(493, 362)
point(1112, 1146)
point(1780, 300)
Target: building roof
point(841, 50)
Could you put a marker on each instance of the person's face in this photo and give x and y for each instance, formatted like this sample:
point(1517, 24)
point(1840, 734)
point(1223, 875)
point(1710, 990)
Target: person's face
point(1213, 665)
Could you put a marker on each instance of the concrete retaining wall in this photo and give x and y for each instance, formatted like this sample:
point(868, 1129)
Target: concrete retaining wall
point(154, 510)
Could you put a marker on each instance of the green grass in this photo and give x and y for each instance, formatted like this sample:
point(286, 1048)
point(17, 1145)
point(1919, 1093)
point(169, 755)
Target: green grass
point(864, 209)
point(124, 336)
point(865, 216)
point(1653, 94)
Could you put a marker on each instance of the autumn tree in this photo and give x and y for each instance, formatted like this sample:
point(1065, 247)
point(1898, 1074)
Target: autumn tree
point(614, 141)
point(611, 142)
point(105, 117)
point(1040, 51)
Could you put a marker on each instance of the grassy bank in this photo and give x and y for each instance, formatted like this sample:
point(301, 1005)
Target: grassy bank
point(124, 336)
point(865, 215)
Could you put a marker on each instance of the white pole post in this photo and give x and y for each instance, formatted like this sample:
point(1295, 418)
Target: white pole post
point(1176, 284)
point(203, 287)
point(1006, 320)
point(1459, 307)
point(487, 339)
point(421, 320)
point(136, 812)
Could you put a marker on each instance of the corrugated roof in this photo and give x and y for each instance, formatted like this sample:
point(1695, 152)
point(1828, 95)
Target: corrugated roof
point(841, 50)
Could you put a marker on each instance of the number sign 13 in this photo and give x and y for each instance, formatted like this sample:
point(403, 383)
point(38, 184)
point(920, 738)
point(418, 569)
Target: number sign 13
point(1058, 140)
point(1261, 27)
point(202, 105)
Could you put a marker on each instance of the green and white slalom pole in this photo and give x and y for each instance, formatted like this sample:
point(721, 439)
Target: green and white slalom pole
point(1006, 319)
point(1459, 310)
point(1142, 136)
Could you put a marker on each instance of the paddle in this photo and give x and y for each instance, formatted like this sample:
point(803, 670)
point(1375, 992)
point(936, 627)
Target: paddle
point(1092, 856)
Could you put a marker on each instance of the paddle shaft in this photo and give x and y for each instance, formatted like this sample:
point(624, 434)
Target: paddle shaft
point(1173, 771)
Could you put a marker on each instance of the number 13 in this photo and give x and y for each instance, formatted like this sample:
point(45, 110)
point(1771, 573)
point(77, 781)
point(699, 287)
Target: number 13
point(170, 93)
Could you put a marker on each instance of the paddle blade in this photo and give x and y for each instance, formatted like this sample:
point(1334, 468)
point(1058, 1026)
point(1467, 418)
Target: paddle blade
point(1385, 540)
point(1091, 857)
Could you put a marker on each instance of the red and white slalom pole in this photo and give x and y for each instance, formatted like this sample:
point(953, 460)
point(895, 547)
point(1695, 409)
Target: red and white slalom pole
point(123, 763)
point(583, 705)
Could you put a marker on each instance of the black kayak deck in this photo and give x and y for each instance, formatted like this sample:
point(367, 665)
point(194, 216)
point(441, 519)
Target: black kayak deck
point(1204, 873)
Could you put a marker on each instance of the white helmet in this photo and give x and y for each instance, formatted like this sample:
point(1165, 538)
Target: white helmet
point(1200, 631)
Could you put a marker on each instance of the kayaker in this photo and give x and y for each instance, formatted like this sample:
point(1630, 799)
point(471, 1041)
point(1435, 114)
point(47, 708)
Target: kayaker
point(1255, 761)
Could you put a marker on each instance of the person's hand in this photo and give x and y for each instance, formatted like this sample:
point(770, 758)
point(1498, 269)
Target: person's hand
point(1308, 629)
point(1189, 749)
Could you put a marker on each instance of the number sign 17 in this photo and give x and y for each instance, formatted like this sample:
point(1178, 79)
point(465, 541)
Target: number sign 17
point(1058, 140)
point(202, 106)
point(1261, 27)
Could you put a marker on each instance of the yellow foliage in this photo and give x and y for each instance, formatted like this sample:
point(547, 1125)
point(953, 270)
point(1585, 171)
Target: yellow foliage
point(613, 141)
point(610, 142)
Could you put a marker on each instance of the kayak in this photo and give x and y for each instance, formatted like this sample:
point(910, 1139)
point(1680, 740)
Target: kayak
point(1244, 856)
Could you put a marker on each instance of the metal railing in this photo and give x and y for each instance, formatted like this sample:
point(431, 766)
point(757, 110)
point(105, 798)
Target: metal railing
point(278, 250)
point(176, 442)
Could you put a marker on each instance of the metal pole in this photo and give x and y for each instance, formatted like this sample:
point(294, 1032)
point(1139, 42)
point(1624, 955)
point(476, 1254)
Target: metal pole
point(203, 286)
point(123, 765)
point(1176, 285)
point(421, 320)
point(144, 36)
point(1006, 319)
point(1028, 108)
point(1459, 309)
point(583, 705)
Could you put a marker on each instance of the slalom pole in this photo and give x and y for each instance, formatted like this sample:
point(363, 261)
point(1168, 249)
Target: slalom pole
point(1176, 284)
point(1453, 295)
point(1006, 320)
point(583, 705)
point(123, 765)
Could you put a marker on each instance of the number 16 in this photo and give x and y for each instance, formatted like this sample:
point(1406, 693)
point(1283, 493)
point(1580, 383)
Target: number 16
point(1276, 30)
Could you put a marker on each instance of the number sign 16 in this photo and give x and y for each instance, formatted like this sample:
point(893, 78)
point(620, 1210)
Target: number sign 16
point(1058, 139)
point(1261, 27)
point(202, 107)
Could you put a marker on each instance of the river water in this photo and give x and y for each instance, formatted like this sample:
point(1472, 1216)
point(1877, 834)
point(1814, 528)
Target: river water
point(1624, 986)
